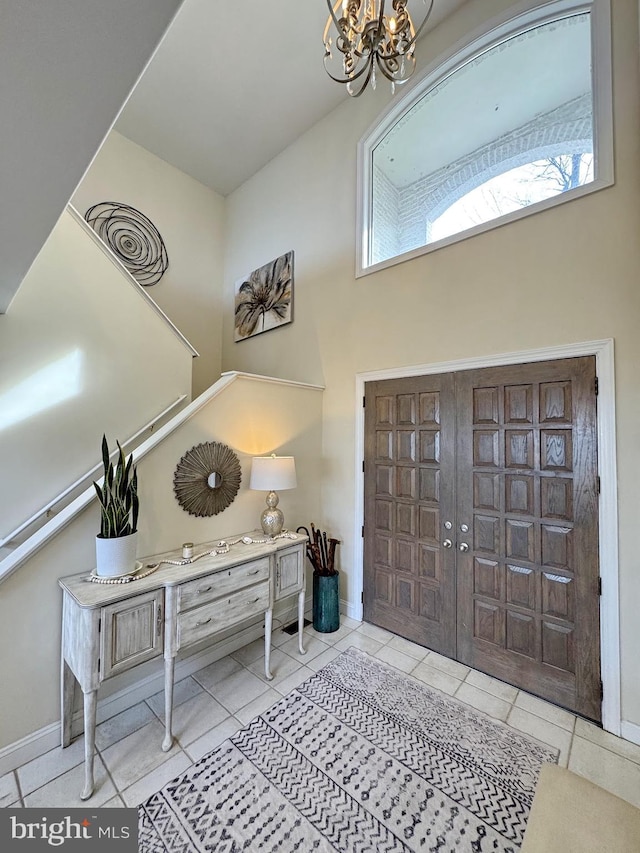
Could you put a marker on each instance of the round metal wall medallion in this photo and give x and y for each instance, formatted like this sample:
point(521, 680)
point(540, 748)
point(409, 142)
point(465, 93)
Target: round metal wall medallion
point(207, 479)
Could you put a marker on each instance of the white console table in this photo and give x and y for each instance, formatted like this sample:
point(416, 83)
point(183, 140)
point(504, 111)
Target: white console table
point(110, 628)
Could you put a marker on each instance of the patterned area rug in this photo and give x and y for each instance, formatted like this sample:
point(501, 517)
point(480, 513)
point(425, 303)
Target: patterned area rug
point(361, 757)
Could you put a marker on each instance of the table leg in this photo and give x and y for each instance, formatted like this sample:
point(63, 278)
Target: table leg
point(169, 664)
point(301, 648)
point(67, 687)
point(268, 622)
point(90, 703)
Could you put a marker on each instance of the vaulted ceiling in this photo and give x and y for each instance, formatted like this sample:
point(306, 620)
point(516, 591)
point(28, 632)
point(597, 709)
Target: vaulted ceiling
point(230, 86)
point(233, 84)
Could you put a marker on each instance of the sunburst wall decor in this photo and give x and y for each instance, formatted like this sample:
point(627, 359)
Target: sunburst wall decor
point(207, 479)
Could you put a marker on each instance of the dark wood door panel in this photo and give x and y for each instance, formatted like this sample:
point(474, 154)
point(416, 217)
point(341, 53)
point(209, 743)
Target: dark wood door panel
point(527, 588)
point(409, 578)
point(510, 454)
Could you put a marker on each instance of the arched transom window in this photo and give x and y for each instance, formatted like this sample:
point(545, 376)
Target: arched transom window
point(517, 121)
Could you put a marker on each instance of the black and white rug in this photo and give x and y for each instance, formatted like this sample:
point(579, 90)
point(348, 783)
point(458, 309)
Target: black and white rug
point(360, 757)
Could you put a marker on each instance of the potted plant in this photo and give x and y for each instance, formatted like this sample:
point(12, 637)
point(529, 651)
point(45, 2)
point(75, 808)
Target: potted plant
point(326, 580)
point(118, 495)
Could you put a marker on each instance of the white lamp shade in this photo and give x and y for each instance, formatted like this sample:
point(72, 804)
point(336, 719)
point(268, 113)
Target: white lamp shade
point(273, 473)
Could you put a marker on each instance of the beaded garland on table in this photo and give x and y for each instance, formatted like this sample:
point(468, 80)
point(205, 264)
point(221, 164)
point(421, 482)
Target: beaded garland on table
point(223, 547)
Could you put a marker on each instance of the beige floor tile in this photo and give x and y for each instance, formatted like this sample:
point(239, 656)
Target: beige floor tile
point(193, 718)
point(323, 659)
point(492, 685)
point(375, 632)
point(348, 622)
point(238, 689)
point(313, 647)
point(183, 690)
point(115, 803)
point(558, 716)
point(330, 637)
point(65, 790)
point(612, 772)
point(9, 792)
point(595, 734)
point(357, 640)
point(413, 650)
point(452, 667)
point(294, 680)
point(398, 659)
point(436, 678)
point(282, 666)
point(542, 730)
point(254, 709)
point(251, 652)
point(136, 755)
point(49, 766)
point(491, 705)
point(212, 675)
point(123, 724)
point(278, 637)
point(213, 738)
point(141, 790)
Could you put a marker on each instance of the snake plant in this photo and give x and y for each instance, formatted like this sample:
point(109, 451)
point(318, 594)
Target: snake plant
point(118, 495)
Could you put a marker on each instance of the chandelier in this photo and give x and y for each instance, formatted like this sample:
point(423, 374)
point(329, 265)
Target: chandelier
point(366, 38)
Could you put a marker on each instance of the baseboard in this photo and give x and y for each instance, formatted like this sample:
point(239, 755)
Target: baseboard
point(630, 731)
point(354, 611)
point(47, 738)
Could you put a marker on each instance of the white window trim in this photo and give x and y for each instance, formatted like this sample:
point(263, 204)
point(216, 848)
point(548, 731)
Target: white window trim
point(517, 18)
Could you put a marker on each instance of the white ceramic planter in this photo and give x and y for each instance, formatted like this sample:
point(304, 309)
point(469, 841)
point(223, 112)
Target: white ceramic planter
point(116, 556)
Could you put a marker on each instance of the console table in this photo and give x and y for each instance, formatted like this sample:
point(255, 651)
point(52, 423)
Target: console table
point(108, 628)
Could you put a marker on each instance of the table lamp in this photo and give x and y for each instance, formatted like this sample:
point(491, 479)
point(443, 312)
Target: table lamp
point(268, 474)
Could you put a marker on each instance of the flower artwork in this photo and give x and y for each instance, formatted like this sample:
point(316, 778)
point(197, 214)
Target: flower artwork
point(264, 298)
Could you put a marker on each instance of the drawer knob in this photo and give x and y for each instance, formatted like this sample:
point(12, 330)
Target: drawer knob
point(206, 622)
point(204, 589)
point(254, 573)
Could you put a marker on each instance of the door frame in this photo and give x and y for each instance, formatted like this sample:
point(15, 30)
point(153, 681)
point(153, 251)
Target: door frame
point(603, 350)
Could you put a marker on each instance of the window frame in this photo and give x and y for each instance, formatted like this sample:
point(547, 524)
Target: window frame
point(518, 18)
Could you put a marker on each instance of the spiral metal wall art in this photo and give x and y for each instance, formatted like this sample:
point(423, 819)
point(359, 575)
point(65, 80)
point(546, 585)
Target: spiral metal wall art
point(132, 237)
point(207, 479)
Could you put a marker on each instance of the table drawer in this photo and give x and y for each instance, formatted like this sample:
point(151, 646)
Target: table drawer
point(218, 584)
point(201, 622)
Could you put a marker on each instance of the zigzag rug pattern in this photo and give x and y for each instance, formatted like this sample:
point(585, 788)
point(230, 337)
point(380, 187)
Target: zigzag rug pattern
point(359, 758)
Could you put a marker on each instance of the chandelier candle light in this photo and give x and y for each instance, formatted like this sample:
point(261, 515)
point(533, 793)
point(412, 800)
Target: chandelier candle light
point(269, 473)
point(366, 37)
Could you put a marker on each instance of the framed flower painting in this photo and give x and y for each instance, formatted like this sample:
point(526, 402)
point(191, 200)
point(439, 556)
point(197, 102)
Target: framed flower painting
point(264, 298)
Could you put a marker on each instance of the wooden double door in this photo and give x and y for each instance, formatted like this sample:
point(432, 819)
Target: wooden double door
point(481, 522)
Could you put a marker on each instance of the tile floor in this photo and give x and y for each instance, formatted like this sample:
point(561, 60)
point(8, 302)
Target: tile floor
point(214, 702)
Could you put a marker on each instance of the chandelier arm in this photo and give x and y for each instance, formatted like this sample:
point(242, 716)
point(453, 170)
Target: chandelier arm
point(416, 36)
point(332, 15)
point(390, 74)
point(368, 67)
point(356, 74)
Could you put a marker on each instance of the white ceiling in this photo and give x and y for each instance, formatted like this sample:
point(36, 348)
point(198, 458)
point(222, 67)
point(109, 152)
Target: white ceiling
point(219, 113)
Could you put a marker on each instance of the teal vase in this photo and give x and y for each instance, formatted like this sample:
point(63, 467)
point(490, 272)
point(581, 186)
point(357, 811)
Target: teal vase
point(326, 603)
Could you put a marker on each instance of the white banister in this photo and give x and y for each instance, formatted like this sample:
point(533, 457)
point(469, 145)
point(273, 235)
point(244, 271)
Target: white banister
point(23, 552)
point(89, 476)
point(125, 272)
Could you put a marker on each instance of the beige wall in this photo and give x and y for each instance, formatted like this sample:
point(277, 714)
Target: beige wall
point(566, 275)
point(81, 354)
point(190, 219)
point(251, 417)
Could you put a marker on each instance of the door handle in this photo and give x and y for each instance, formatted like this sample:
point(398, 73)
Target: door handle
point(447, 543)
point(463, 547)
